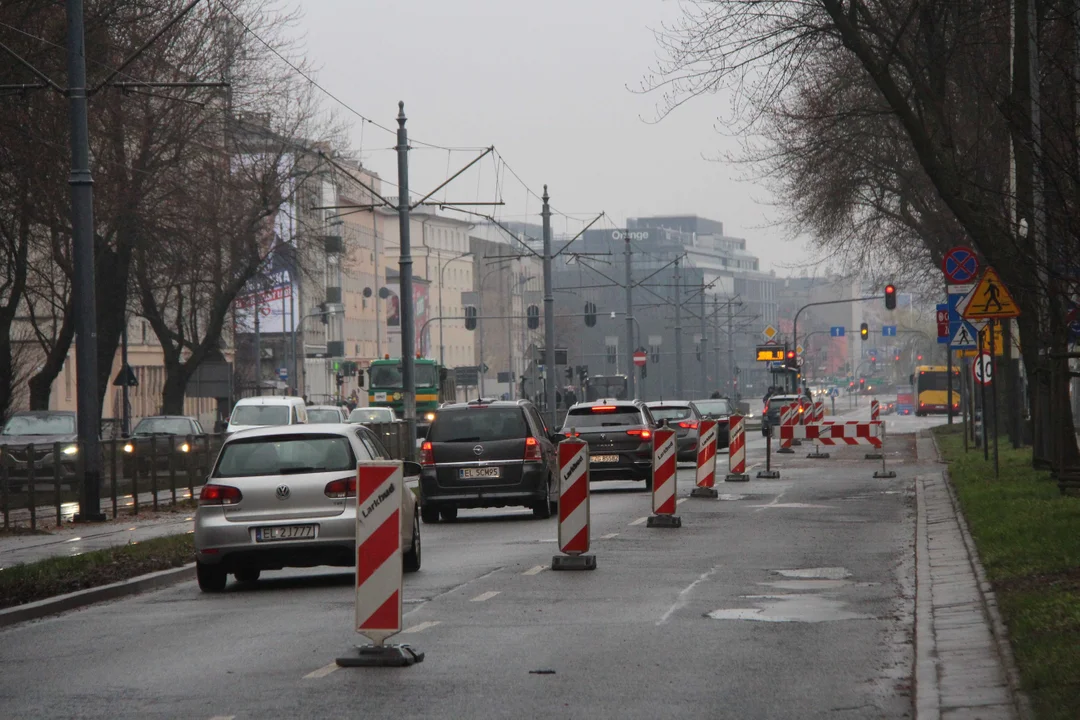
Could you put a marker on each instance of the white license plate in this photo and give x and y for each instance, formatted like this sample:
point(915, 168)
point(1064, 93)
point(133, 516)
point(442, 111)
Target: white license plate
point(484, 472)
point(284, 532)
point(604, 459)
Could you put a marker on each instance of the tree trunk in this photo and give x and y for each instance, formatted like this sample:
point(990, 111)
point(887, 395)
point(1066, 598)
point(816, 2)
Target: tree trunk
point(113, 267)
point(172, 395)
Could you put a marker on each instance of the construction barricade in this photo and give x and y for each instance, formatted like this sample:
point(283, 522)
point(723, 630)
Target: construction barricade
point(817, 417)
point(379, 491)
point(875, 416)
point(737, 450)
point(848, 433)
point(706, 461)
point(574, 508)
point(664, 478)
point(789, 417)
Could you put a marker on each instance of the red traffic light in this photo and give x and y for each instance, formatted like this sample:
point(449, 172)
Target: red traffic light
point(862, 381)
point(920, 357)
point(890, 297)
point(790, 354)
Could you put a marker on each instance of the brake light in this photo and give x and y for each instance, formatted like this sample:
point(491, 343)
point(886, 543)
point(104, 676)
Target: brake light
point(604, 408)
point(342, 488)
point(643, 434)
point(922, 404)
point(688, 425)
point(220, 495)
point(572, 434)
point(427, 455)
point(532, 450)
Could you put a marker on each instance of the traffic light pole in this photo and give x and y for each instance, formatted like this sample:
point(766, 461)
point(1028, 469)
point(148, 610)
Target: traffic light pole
point(795, 323)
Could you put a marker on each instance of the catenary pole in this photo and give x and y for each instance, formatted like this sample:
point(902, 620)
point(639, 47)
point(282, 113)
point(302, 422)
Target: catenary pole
point(549, 317)
point(82, 230)
point(703, 363)
point(405, 271)
point(678, 335)
point(629, 354)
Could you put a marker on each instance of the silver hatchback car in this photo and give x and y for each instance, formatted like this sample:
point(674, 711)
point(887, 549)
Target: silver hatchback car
point(286, 497)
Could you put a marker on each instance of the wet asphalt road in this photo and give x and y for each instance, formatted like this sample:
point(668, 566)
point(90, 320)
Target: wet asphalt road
point(787, 598)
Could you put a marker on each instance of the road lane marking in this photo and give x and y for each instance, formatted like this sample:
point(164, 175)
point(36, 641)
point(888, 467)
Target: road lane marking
point(774, 501)
point(680, 602)
point(609, 536)
point(639, 521)
point(680, 501)
point(223, 717)
point(321, 672)
point(482, 597)
point(421, 627)
point(535, 570)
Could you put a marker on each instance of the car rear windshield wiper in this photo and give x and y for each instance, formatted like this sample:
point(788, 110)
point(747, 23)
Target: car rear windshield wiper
point(301, 469)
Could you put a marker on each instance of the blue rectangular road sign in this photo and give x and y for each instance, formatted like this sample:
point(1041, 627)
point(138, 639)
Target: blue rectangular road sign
point(948, 309)
point(963, 336)
point(888, 331)
point(836, 331)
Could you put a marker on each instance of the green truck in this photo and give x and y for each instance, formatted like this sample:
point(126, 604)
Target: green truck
point(434, 385)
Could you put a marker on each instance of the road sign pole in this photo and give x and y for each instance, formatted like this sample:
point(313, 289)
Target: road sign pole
point(993, 395)
point(982, 396)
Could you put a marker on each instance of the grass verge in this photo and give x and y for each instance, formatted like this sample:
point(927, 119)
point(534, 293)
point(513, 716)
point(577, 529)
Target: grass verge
point(1028, 537)
point(21, 584)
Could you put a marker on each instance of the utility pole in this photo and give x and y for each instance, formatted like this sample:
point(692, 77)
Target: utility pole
point(125, 415)
point(630, 368)
point(704, 346)
point(716, 336)
point(549, 317)
point(82, 231)
point(405, 263)
point(678, 335)
point(731, 353)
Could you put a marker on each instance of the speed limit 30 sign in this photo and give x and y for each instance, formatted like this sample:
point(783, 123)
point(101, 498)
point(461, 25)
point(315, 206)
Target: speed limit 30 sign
point(983, 369)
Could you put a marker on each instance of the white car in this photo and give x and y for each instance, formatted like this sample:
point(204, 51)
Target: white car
point(286, 497)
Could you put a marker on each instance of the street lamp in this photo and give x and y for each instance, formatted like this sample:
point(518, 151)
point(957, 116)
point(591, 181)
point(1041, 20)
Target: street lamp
point(442, 267)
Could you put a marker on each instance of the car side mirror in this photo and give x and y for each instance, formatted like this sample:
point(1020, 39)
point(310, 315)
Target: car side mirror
point(410, 468)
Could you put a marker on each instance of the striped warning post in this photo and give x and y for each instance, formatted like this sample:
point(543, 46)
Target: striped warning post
point(664, 469)
point(706, 461)
point(574, 507)
point(378, 549)
point(737, 450)
point(819, 411)
point(875, 410)
point(789, 415)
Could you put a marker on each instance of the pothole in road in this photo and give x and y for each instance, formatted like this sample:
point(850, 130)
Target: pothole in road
point(791, 608)
point(821, 573)
point(807, 585)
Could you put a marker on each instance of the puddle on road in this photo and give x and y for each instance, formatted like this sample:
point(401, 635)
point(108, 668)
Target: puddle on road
point(820, 573)
point(733, 497)
point(791, 608)
point(807, 585)
point(794, 505)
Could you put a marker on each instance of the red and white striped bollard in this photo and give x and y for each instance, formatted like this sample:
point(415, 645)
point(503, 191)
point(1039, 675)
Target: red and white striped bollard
point(875, 416)
point(574, 508)
point(664, 470)
point(706, 461)
point(736, 450)
point(379, 492)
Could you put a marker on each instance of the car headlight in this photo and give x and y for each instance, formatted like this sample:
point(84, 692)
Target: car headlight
point(430, 417)
point(70, 450)
point(129, 448)
point(184, 447)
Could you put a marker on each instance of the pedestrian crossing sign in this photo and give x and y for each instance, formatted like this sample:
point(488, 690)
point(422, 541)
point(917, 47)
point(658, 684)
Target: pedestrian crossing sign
point(965, 337)
point(989, 299)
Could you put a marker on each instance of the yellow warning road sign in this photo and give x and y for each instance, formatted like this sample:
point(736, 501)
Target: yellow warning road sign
point(989, 299)
point(984, 337)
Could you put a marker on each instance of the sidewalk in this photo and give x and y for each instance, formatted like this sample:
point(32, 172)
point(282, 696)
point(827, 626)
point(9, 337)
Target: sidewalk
point(963, 664)
point(72, 539)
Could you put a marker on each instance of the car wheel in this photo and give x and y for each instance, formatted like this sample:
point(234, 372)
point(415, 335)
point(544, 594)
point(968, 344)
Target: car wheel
point(411, 559)
point(211, 578)
point(649, 482)
point(542, 509)
point(247, 575)
point(448, 514)
point(429, 514)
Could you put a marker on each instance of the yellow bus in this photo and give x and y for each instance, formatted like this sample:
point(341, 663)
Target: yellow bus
point(933, 392)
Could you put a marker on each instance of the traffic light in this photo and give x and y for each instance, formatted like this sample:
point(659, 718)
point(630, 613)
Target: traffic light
point(920, 357)
point(864, 331)
point(340, 379)
point(654, 354)
point(569, 374)
point(890, 297)
point(470, 317)
point(533, 315)
point(862, 383)
point(897, 358)
point(323, 315)
point(590, 314)
point(790, 360)
point(697, 351)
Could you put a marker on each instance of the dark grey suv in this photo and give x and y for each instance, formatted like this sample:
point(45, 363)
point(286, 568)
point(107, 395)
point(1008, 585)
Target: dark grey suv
point(619, 434)
point(488, 455)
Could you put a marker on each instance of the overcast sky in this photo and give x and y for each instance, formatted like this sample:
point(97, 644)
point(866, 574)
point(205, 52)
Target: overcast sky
point(547, 85)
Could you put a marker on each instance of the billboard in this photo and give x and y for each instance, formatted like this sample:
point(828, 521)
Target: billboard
point(421, 312)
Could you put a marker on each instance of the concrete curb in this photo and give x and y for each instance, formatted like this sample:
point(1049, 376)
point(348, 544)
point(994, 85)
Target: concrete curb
point(927, 685)
point(989, 600)
point(82, 598)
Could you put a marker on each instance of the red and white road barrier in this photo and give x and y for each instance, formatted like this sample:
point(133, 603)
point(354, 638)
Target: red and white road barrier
point(706, 455)
point(817, 413)
point(864, 433)
point(378, 549)
point(789, 417)
point(875, 416)
point(737, 450)
point(574, 507)
point(664, 470)
point(875, 411)
point(380, 486)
